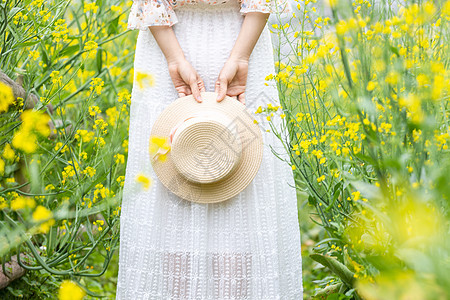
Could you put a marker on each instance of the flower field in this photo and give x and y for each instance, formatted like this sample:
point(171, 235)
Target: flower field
point(365, 108)
point(63, 143)
point(365, 96)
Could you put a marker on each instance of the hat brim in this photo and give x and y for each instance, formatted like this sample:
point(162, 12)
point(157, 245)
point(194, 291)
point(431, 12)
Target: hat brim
point(239, 178)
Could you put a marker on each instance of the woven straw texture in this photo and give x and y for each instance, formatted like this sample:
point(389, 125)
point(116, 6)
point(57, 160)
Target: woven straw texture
point(247, 247)
point(207, 161)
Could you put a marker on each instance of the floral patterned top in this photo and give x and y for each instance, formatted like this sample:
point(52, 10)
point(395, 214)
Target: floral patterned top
point(146, 13)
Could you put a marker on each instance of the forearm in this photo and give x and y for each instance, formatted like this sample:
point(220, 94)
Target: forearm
point(168, 43)
point(251, 29)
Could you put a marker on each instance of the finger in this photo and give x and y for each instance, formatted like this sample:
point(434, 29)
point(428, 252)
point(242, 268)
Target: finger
point(216, 87)
point(181, 95)
point(196, 92)
point(201, 85)
point(241, 98)
point(222, 89)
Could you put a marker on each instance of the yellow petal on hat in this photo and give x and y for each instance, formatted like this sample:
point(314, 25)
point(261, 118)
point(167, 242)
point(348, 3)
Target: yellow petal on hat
point(158, 146)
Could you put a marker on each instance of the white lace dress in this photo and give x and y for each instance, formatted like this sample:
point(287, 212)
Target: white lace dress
point(247, 247)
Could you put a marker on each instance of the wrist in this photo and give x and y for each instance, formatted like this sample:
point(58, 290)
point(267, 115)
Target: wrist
point(238, 56)
point(175, 60)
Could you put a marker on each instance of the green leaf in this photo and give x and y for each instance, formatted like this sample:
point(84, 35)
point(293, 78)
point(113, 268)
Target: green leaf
point(113, 26)
point(368, 190)
point(69, 50)
point(14, 11)
point(99, 60)
point(337, 296)
point(35, 179)
point(338, 268)
point(329, 290)
point(25, 44)
point(394, 50)
point(51, 240)
point(312, 200)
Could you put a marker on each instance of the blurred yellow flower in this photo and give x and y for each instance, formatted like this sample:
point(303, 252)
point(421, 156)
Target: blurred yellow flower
point(56, 79)
point(113, 115)
point(144, 181)
point(120, 180)
point(84, 135)
point(41, 213)
point(144, 79)
point(96, 85)
point(69, 290)
point(159, 147)
point(2, 167)
point(119, 158)
point(22, 202)
point(371, 86)
point(89, 171)
point(321, 178)
point(90, 45)
point(116, 8)
point(3, 203)
point(6, 97)
point(90, 7)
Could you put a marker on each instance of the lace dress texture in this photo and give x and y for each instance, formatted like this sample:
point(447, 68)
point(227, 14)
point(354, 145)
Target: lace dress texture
point(144, 13)
point(247, 247)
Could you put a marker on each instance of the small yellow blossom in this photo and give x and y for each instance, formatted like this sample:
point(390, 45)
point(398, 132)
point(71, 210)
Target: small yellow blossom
point(158, 147)
point(8, 152)
point(144, 181)
point(6, 97)
point(69, 290)
point(144, 79)
point(321, 178)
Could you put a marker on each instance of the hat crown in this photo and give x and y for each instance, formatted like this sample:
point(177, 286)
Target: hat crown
point(206, 146)
point(229, 182)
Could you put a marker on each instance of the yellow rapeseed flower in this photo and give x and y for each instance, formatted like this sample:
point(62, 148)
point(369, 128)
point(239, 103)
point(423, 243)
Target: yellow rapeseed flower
point(119, 158)
point(22, 202)
point(6, 97)
point(8, 152)
point(90, 7)
point(2, 167)
point(69, 290)
point(90, 45)
point(84, 135)
point(32, 122)
point(143, 79)
point(96, 85)
point(371, 86)
point(144, 181)
point(89, 171)
point(158, 147)
point(113, 115)
point(41, 213)
point(321, 178)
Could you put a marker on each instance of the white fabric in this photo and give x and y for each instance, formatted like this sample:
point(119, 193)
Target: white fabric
point(144, 13)
point(247, 247)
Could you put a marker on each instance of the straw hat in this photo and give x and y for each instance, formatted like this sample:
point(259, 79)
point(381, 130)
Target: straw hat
point(215, 148)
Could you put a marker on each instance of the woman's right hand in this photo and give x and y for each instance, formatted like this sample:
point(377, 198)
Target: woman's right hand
point(186, 79)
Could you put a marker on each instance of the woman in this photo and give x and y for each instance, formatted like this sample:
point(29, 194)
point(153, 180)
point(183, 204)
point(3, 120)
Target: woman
point(247, 247)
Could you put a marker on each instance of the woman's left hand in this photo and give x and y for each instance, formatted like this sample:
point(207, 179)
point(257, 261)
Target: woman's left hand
point(232, 79)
